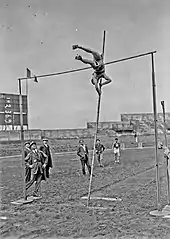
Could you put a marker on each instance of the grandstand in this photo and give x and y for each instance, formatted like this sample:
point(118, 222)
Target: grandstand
point(115, 126)
point(141, 122)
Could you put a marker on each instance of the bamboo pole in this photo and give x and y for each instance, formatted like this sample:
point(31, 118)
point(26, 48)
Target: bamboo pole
point(22, 136)
point(166, 144)
point(156, 130)
point(96, 130)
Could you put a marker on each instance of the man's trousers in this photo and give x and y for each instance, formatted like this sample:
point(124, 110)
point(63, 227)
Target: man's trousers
point(99, 157)
point(36, 178)
point(27, 174)
point(85, 161)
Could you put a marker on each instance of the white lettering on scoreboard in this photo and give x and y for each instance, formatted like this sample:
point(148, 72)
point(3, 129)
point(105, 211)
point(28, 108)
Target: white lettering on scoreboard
point(8, 111)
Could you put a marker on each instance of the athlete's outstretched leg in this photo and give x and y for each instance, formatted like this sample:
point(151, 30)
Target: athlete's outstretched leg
point(95, 54)
point(85, 61)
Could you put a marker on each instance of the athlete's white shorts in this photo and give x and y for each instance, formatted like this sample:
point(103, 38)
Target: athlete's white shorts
point(116, 151)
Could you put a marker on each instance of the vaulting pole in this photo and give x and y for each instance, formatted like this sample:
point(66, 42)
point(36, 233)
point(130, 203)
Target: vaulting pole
point(93, 157)
point(166, 144)
point(96, 130)
point(104, 40)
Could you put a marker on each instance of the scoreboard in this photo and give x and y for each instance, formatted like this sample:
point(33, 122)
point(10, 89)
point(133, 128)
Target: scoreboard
point(10, 109)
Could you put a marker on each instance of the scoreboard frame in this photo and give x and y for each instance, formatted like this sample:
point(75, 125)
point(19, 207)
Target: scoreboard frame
point(10, 110)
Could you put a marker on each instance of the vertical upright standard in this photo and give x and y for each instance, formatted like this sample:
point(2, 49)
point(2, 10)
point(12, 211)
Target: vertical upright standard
point(156, 130)
point(22, 135)
point(27, 101)
point(166, 144)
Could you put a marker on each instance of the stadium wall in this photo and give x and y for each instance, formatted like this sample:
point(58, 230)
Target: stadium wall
point(143, 123)
point(12, 135)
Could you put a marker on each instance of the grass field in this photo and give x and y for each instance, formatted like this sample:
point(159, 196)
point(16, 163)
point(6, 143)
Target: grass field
point(62, 213)
point(65, 145)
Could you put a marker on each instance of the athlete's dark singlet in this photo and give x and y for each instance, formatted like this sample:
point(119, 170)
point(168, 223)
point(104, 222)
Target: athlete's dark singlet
point(100, 68)
point(116, 145)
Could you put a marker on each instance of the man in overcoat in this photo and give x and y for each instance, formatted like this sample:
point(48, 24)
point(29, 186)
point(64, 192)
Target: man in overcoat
point(83, 153)
point(27, 169)
point(37, 161)
point(46, 149)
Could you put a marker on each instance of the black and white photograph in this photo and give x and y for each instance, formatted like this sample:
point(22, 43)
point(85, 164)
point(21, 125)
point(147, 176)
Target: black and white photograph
point(85, 119)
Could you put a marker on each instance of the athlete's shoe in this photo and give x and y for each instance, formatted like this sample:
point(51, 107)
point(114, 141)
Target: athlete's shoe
point(36, 195)
point(74, 47)
point(78, 57)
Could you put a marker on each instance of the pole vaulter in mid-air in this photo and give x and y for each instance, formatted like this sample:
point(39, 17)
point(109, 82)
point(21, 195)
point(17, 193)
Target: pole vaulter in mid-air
point(97, 64)
point(99, 73)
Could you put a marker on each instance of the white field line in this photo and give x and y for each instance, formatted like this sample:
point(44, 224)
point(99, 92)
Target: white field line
point(100, 208)
point(19, 155)
point(167, 216)
point(103, 198)
point(74, 152)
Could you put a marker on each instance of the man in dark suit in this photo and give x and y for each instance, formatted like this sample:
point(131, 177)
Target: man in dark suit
point(99, 152)
point(46, 149)
point(83, 153)
point(37, 161)
point(27, 169)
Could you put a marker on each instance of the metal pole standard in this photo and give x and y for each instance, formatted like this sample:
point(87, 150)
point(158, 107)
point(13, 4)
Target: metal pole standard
point(166, 144)
point(27, 101)
point(156, 131)
point(96, 130)
point(22, 136)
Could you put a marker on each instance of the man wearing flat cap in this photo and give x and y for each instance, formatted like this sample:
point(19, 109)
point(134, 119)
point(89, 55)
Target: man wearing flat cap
point(37, 161)
point(46, 149)
point(27, 150)
point(83, 153)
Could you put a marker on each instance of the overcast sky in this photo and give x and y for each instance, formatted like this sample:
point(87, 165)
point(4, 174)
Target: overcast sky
point(38, 34)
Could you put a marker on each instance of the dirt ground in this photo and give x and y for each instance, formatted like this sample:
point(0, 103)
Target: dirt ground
point(62, 213)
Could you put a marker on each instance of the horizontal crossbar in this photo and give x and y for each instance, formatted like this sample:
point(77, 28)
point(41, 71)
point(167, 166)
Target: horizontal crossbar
point(86, 68)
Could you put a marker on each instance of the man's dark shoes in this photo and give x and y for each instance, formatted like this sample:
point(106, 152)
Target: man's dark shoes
point(35, 195)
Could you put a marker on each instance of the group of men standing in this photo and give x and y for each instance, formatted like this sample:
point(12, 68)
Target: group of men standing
point(83, 153)
point(37, 164)
point(39, 161)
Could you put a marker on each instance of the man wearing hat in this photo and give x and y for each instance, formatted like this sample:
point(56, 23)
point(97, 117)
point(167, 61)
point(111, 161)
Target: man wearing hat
point(27, 169)
point(37, 161)
point(46, 149)
point(83, 153)
point(99, 147)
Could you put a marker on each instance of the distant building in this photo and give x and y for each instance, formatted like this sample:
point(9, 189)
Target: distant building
point(144, 122)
